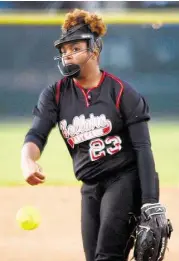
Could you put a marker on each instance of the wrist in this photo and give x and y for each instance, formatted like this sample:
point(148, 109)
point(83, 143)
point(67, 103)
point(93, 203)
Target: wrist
point(25, 161)
point(150, 200)
point(150, 204)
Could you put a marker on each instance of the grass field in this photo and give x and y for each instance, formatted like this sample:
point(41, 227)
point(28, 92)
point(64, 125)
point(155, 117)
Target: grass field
point(60, 206)
point(165, 145)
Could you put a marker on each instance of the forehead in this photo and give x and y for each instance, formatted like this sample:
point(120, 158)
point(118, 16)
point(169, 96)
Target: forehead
point(71, 44)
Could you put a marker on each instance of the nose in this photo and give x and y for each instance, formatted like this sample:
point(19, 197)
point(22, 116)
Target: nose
point(68, 54)
point(68, 57)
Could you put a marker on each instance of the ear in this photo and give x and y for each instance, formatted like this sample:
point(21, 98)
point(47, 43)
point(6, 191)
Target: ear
point(95, 54)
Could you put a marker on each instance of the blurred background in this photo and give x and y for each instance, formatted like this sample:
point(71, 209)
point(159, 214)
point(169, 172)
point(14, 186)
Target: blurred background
point(141, 47)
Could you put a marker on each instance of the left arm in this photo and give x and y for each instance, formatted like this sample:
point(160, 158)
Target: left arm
point(140, 138)
point(154, 229)
point(135, 112)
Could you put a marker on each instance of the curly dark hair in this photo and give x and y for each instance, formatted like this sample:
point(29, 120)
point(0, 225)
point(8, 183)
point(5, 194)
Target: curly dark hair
point(78, 16)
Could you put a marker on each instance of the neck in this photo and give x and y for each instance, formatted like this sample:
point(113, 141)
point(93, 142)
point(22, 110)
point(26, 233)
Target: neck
point(90, 79)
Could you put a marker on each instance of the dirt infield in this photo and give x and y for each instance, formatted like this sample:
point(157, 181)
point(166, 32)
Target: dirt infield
point(58, 237)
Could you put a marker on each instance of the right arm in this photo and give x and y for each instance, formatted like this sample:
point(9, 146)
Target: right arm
point(45, 118)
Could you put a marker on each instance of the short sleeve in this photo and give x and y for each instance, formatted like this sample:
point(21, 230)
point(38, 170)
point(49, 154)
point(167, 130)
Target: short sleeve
point(45, 118)
point(133, 106)
point(46, 107)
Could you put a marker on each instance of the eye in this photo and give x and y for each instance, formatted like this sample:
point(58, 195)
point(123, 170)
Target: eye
point(62, 52)
point(76, 49)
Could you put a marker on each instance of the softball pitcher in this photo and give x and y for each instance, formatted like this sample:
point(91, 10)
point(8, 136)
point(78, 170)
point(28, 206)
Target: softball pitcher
point(104, 124)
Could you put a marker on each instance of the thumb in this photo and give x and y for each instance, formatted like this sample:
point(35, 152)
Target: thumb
point(39, 173)
point(39, 168)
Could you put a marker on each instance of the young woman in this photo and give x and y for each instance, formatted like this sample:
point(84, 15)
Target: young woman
point(103, 122)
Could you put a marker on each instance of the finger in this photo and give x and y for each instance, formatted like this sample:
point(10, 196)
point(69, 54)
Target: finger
point(32, 180)
point(38, 180)
point(33, 183)
point(39, 175)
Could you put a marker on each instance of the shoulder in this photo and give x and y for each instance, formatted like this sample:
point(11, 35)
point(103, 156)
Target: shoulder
point(53, 91)
point(114, 79)
point(123, 90)
point(131, 93)
point(48, 92)
point(60, 84)
point(126, 87)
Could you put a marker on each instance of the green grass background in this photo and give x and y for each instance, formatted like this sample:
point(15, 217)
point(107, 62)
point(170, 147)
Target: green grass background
point(57, 163)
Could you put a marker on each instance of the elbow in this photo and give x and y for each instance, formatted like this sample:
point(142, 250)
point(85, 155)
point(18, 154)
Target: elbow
point(34, 139)
point(141, 146)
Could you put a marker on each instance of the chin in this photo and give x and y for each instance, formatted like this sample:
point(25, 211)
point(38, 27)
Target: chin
point(79, 77)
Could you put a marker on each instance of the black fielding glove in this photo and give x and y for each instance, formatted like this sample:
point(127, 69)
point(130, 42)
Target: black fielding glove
point(152, 233)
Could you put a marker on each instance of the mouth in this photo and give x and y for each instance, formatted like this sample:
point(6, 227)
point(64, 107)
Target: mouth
point(69, 63)
point(66, 62)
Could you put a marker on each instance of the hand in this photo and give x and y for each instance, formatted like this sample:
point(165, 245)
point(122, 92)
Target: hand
point(32, 172)
point(152, 233)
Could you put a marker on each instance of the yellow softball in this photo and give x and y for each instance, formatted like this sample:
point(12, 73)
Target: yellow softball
point(28, 217)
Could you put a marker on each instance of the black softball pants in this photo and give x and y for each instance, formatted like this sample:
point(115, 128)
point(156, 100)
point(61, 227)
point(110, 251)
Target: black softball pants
point(107, 214)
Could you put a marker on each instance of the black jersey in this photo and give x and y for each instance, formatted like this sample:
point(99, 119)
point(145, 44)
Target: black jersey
point(93, 127)
point(94, 124)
